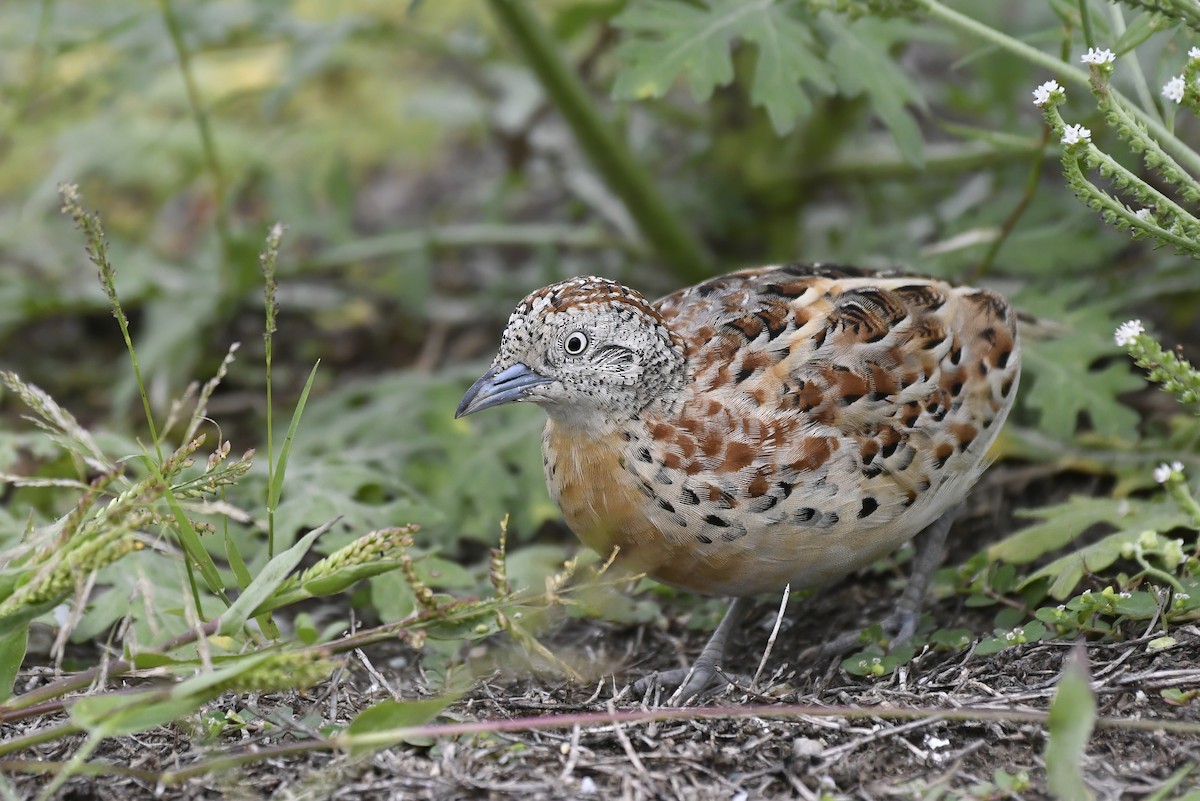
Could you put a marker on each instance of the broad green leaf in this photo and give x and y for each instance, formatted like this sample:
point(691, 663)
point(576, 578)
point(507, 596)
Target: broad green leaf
point(666, 39)
point(19, 620)
point(1063, 522)
point(1072, 716)
point(1067, 571)
point(1065, 386)
point(389, 719)
point(12, 654)
point(1067, 375)
point(267, 581)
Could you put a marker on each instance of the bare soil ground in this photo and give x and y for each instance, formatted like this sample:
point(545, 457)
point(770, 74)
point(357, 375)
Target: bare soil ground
point(792, 749)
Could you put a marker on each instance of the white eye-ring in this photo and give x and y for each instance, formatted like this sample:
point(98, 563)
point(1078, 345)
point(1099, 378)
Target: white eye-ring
point(576, 343)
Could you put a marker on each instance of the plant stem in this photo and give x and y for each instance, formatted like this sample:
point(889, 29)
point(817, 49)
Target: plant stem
point(1085, 22)
point(1139, 77)
point(940, 157)
point(1010, 222)
point(605, 148)
point(228, 273)
point(37, 737)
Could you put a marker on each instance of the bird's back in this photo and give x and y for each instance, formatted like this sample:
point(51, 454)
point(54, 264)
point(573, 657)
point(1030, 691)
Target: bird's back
point(828, 415)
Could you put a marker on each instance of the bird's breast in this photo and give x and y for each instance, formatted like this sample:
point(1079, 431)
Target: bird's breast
point(688, 539)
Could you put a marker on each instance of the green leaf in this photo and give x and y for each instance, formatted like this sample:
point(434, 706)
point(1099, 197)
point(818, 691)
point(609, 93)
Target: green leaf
point(267, 581)
point(1068, 375)
point(1065, 387)
point(666, 39)
point(1066, 521)
point(276, 488)
point(859, 56)
point(1072, 716)
point(237, 563)
point(189, 539)
point(12, 654)
point(1061, 524)
point(389, 719)
point(117, 714)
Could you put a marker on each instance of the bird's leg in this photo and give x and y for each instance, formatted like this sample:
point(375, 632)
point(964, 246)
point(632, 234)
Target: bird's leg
point(703, 673)
point(931, 550)
point(902, 624)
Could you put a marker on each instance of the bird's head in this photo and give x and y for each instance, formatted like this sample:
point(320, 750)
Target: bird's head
point(590, 351)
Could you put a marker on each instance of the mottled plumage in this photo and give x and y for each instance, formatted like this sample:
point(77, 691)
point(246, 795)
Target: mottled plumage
point(782, 425)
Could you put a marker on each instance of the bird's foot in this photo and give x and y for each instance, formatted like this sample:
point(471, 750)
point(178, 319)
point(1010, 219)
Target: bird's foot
point(704, 674)
point(681, 685)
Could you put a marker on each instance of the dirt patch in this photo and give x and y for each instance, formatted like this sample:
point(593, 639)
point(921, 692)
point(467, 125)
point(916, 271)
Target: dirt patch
point(795, 747)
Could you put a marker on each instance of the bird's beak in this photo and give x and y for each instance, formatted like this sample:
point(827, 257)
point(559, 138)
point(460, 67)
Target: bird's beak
point(495, 388)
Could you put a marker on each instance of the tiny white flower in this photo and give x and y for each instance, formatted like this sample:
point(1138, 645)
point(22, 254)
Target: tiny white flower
point(1125, 595)
point(1145, 215)
point(1074, 134)
point(1095, 55)
point(1128, 331)
point(1182, 596)
point(1173, 89)
point(1177, 466)
point(1163, 472)
point(1042, 95)
point(934, 743)
point(1194, 54)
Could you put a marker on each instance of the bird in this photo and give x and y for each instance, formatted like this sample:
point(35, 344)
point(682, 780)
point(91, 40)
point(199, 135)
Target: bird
point(776, 427)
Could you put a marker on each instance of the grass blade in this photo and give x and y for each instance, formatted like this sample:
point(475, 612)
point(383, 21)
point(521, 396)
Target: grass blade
point(276, 488)
point(237, 563)
point(191, 543)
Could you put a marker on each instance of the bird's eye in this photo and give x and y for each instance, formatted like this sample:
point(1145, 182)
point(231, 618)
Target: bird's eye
point(576, 343)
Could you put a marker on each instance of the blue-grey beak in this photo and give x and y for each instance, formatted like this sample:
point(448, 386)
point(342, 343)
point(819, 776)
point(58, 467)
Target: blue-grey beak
point(496, 388)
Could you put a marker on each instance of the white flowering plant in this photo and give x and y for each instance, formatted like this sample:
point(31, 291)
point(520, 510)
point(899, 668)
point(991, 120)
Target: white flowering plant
point(1163, 215)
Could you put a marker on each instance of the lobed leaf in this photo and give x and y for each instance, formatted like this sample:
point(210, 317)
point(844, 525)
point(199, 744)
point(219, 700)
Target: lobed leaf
point(670, 39)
